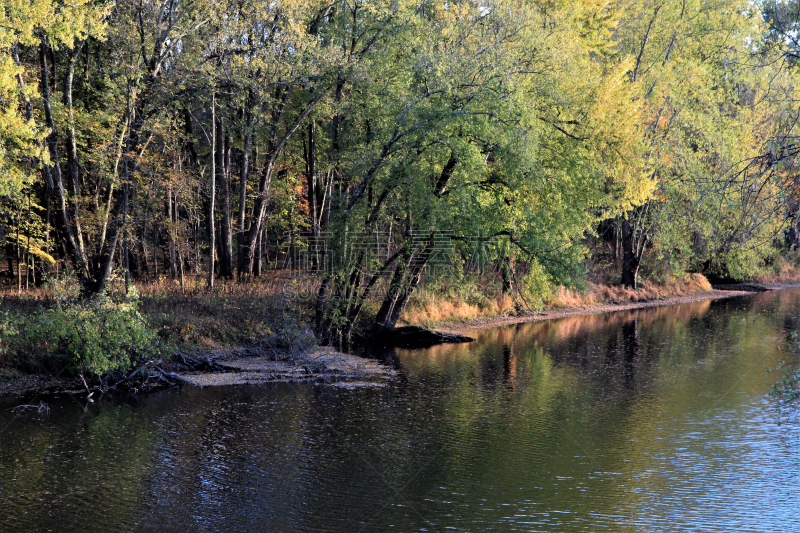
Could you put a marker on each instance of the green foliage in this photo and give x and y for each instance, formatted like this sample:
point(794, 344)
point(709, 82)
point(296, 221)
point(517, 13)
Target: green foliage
point(523, 124)
point(97, 337)
point(26, 24)
point(714, 100)
point(8, 330)
point(537, 285)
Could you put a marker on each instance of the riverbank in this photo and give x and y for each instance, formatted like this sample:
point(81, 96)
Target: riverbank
point(729, 291)
point(451, 304)
point(293, 357)
point(238, 366)
point(578, 412)
point(325, 365)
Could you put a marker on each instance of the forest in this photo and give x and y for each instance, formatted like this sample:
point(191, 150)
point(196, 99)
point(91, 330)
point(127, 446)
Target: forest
point(360, 152)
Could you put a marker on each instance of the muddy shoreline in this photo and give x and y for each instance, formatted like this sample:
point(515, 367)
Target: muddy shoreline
point(235, 366)
point(327, 366)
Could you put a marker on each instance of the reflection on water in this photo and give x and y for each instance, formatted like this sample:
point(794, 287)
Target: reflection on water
point(648, 420)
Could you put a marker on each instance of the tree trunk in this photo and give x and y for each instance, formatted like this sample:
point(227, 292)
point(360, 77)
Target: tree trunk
point(311, 179)
point(72, 148)
point(136, 118)
point(45, 265)
point(212, 238)
point(54, 181)
point(126, 262)
point(155, 249)
point(223, 173)
point(19, 254)
point(322, 297)
point(405, 280)
point(270, 160)
point(793, 232)
point(138, 265)
point(276, 145)
point(260, 259)
point(244, 172)
point(173, 267)
point(507, 269)
point(10, 259)
point(632, 250)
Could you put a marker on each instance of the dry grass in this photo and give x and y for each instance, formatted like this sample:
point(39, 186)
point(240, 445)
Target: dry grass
point(235, 313)
point(273, 306)
point(278, 304)
point(786, 270)
point(231, 313)
point(436, 312)
point(600, 294)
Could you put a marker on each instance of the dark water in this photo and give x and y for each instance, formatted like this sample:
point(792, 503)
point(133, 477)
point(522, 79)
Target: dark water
point(655, 420)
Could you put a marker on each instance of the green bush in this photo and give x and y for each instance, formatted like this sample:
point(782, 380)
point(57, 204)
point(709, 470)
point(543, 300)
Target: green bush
point(98, 336)
point(537, 284)
point(8, 330)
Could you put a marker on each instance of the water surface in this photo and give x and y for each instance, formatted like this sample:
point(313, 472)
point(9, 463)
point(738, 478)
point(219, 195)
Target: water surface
point(647, 420)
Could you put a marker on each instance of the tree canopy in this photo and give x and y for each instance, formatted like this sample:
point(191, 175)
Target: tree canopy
point(380, 142)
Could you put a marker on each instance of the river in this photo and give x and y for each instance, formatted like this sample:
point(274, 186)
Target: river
point(648, 420)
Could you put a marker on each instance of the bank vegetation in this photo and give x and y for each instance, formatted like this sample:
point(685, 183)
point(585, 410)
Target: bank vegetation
point(198, 173)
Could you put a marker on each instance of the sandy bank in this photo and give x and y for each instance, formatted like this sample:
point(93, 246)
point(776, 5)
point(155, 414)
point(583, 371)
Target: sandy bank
point(325, 365)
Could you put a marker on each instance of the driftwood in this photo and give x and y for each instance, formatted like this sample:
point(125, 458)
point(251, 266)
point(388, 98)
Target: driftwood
point(172, 375)
point(151, 370)
point(40, 408)
point(412, 337)
point(324, 365)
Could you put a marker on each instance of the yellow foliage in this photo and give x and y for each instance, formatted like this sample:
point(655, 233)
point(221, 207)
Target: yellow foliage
point(31, 246)
point(23, 23)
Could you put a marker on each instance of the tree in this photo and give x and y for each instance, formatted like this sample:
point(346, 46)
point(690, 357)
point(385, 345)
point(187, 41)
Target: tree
point(466, 129)
point(25, 145)
point(707, 96)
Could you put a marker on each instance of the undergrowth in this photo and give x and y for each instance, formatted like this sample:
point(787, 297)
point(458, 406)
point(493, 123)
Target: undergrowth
point(50, 330)
point(75, 336)
point(437, 303)
point(265, 310)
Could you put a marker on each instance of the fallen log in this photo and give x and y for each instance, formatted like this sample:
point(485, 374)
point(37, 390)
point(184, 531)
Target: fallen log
point(412, 337)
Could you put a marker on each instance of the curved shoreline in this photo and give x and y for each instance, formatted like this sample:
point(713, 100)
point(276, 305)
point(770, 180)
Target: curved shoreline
point(473, 325)
point(347, 370)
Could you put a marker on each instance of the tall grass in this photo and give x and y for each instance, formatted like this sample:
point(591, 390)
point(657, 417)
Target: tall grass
point(230, 313)
point(785, 268)
point(596, 293)
point(432, 313)
point(435, 309)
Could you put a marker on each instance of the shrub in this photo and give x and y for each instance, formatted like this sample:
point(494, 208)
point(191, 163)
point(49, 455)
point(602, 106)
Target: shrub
point(96, 337)
point(8, 330)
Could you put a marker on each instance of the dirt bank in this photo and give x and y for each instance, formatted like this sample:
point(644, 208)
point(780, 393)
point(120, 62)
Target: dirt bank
point(226, 367)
